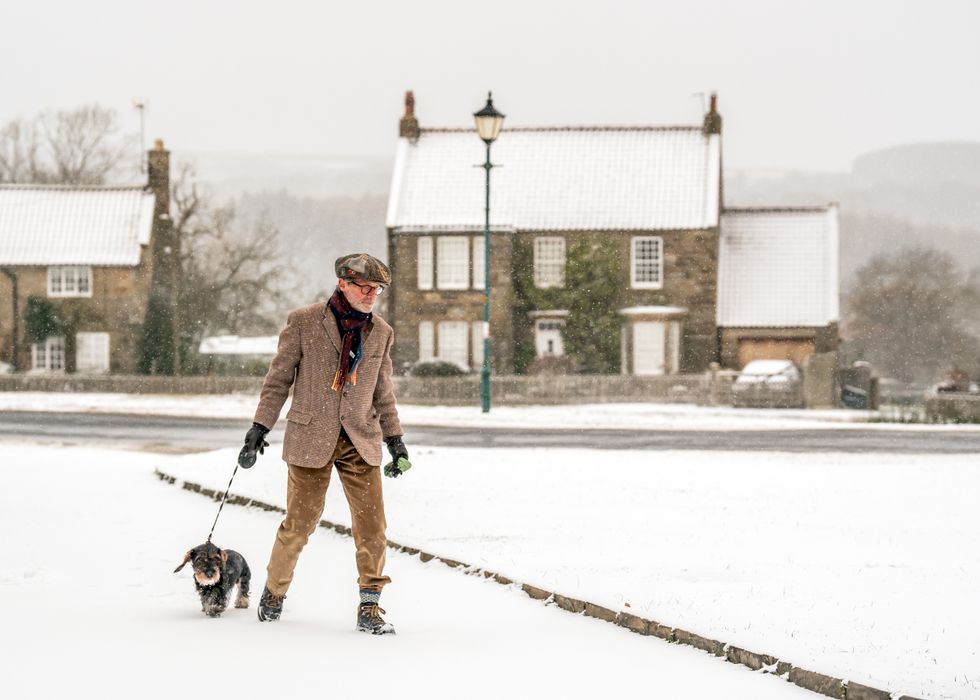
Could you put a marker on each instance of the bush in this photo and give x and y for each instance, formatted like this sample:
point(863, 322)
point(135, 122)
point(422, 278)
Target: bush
point(436, 368)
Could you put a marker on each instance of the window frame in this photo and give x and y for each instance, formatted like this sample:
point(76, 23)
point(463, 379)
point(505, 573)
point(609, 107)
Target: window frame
point(45, 351)
point(464, 334)
point(646, 284)
point(446, 246)
point(424, 262)
point(101, 366)
point(58, 277)
point(554, 267)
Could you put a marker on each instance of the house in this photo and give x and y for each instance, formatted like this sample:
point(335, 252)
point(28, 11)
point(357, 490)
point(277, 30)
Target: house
point(77, 264)
point(698, 283)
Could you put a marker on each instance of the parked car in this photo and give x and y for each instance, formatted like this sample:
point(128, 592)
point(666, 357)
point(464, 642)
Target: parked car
point(768, 384)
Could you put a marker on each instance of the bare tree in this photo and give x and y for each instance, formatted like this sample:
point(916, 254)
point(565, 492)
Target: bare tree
point(80, 146)
point(216, 276)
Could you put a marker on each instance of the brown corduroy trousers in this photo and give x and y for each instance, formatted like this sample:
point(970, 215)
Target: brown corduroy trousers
point(305, 494)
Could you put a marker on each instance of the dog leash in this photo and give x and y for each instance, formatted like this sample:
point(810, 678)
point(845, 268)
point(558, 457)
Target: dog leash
point(223, 498)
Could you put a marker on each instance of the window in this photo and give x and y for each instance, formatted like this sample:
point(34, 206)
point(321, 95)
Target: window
point(454, 343)
point(547, 337)
point(647, 263)
point(426, 342)
point(425, 262)
point(69, 281)
point(549, 262)
point(477, 343)
point(48, 356)
point(479, 262)
point(92, 352)
point(453, 262)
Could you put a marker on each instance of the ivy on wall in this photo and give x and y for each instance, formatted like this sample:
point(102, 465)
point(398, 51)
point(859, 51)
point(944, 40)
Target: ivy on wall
point(592, 295)
point(40, 320)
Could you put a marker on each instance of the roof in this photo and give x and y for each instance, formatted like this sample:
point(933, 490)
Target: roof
point(237, 345)
point(559, 179)
point(66, 225)
point(778, 267)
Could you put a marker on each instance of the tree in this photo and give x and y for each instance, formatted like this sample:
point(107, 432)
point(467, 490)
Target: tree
point(80, 146)
point(914, 314)
point(215, 277)
point(592, 329)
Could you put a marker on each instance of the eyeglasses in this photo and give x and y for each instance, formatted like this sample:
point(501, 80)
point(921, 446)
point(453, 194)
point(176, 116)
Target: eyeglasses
point(367, 290)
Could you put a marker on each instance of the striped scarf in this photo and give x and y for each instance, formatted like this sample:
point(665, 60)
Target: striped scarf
point(350, 321)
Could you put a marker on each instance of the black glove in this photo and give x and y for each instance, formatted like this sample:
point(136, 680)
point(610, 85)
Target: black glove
point(396, 448)
point(399, 463)
point(254, 443)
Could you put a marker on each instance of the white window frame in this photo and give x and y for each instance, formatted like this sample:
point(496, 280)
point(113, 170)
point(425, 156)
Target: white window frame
point(477, 339)
point(479, 264)
point(453, 262)
point(427, 341)
point(43, 355)
point(96, 347)
point(424, 258)
point(453, 343)
point(69, 281)
point(636, 283)
point(549, 262)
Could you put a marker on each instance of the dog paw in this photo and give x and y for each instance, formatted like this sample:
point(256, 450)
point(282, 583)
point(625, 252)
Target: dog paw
point(241, 602)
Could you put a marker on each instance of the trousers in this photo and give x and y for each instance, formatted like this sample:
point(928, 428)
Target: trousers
point(305, 494)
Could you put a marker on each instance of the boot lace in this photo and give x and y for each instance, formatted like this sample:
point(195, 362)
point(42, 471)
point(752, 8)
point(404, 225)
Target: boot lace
point(374, 611)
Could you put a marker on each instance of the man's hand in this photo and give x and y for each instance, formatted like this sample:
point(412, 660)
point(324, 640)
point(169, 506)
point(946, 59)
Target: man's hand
point(399, 457)
point(254, 444)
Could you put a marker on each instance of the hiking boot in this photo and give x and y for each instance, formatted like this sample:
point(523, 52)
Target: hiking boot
point(369, 620)
point(270, 606)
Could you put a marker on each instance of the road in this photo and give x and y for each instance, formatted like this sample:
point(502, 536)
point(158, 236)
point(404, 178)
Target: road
point(167, 433)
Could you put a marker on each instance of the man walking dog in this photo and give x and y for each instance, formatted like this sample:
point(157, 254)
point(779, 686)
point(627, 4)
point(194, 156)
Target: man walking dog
point(336, 357)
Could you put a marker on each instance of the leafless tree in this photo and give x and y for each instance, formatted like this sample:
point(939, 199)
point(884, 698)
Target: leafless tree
point(81, 146)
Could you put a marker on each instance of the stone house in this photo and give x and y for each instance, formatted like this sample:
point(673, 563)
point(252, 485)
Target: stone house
point(86, 255)
point(698, 283)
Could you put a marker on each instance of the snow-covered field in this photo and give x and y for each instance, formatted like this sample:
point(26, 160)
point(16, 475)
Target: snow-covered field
point(857, 566)
point(91, 608)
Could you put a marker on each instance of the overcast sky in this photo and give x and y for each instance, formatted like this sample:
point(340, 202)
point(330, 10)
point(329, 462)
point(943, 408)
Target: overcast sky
point(801, 85)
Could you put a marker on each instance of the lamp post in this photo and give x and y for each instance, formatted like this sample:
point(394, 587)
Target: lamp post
point(488, 124)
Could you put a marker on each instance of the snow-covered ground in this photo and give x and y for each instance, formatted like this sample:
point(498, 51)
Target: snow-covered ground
point(91, 608)
point(629, 416)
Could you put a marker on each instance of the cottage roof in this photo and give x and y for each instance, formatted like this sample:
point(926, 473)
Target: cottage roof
point(778, 267)
point(559, 179)
point(68, 225)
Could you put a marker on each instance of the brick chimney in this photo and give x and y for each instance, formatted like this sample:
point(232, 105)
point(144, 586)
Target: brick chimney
point(712, 120)
point(158, 162)
point(408, 127)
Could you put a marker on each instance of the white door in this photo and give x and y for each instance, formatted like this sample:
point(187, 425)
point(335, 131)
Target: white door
point(92, 352)
point(648, 347)
point(547, 337)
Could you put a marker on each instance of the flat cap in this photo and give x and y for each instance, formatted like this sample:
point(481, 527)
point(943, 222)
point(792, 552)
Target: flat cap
point(361, 266)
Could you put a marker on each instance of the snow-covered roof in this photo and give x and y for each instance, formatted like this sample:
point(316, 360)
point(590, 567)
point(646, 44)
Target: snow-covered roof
point(559, 179)
point(65, 225)
point(778, 267)
point(237, 345)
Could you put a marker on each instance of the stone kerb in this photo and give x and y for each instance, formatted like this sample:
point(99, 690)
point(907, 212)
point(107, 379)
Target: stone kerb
point(759, 662)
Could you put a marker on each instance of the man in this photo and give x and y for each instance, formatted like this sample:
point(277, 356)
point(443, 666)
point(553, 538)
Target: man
point(336, 357)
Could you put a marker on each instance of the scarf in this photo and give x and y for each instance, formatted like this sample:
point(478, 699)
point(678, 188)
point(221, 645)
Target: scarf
point(350, 321)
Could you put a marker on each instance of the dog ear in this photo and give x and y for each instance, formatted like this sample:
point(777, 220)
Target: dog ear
point(224, 557)
point(187, 558)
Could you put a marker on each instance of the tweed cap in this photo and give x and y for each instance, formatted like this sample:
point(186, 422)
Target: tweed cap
point(361, 266)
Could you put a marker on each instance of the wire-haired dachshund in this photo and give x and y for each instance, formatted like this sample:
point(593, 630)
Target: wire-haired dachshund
point(216, 572)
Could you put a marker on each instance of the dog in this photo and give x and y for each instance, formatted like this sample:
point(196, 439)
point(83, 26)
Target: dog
point(216, 572)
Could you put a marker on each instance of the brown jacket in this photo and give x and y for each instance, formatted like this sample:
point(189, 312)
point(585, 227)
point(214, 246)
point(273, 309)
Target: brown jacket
point(307, 359)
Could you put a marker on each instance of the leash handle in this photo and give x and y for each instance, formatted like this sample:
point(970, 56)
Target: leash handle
point(223, 498)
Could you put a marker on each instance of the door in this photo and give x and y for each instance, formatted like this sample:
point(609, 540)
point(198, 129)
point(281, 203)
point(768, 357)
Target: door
point(648, 347)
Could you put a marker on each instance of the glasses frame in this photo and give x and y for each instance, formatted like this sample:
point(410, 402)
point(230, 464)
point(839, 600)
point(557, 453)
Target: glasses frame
point(376, 291)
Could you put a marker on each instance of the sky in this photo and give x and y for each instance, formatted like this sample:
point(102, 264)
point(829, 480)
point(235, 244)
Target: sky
point(801, 85)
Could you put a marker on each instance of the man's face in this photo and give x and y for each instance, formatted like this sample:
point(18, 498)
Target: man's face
point(361, 295)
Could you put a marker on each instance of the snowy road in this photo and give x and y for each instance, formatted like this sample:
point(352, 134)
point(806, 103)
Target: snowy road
point(93, 610)
point(140, 431)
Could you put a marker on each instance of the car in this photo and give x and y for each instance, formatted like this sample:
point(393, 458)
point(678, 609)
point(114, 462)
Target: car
point(768, 384)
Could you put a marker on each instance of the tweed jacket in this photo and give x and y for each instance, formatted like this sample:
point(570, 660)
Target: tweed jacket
point(307, 359)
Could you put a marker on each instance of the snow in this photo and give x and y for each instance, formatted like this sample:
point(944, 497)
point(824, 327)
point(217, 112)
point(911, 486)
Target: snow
point(609, 416)
point(92, 608)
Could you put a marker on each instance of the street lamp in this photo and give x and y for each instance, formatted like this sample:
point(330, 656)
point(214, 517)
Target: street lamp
point(488, 124)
